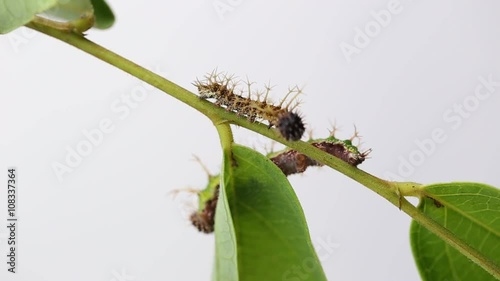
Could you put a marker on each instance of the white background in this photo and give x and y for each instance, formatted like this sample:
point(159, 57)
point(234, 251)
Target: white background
point(112, 215)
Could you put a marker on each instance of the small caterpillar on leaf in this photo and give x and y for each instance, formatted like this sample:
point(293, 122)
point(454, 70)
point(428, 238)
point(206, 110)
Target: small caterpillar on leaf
point(204, 219)
point(222, 88)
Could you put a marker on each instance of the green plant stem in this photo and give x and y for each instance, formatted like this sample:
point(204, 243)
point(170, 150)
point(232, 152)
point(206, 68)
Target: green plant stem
point(225, 136)
point(84, 23)
point(388, 190)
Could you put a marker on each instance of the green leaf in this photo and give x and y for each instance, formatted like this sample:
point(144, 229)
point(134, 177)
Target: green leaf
point(15, 13)
point(78, 15)
point(70, 10)
point(104, 17)
point(72, 15)
point(471, 211)
point(260, 228)
point(93, 13)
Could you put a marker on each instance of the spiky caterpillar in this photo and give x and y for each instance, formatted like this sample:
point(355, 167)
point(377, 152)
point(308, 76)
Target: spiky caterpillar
point(204, 219)
point(293, 162)
point(289, 161)
point(222, 88)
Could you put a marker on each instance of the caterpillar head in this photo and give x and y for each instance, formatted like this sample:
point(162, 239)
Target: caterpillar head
point(291, 126)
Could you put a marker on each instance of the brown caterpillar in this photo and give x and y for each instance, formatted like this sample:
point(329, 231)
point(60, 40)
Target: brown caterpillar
point(293, 162)
point(204, 218)
point(221, 87)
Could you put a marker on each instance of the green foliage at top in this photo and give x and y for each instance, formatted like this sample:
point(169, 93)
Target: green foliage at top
point(81, 14)
point(15, 13)
point(70, 10)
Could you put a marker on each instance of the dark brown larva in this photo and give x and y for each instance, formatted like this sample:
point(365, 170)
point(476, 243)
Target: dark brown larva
point(204, 220)
point(293, 162)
